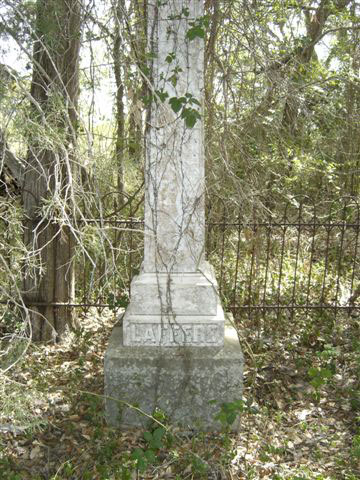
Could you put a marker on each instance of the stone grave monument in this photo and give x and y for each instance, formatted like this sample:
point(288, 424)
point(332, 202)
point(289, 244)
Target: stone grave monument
point(175, 350)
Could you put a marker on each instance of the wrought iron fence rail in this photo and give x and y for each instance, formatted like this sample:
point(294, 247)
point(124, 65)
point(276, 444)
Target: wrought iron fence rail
point(299, 261)
point(349, 307)
point(309, 224)
point(295, 307)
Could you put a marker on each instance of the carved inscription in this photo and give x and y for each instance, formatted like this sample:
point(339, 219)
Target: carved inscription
point(175, 334)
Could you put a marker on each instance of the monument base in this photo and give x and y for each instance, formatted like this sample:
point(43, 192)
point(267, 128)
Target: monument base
point(188, 384)
point(177, 309)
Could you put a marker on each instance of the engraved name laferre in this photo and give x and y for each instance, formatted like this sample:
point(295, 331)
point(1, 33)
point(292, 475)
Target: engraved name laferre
point(175, 334)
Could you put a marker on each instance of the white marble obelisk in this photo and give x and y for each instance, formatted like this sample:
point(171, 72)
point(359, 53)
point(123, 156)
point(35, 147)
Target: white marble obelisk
point(154, 359)
point(174, 300)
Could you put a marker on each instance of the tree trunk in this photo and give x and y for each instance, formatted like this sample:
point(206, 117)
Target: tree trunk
point(137, 84)
point(120, 115)
point(11, 172)
point(47, 192)
point(350, 140)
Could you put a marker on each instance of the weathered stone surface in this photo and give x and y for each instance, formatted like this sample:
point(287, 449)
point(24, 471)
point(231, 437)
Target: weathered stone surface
point(171, 330)
point(179, 294)
point(174, 174)
point(180, 381)
point(176, 283)
point(174, 309)
point(173, 351)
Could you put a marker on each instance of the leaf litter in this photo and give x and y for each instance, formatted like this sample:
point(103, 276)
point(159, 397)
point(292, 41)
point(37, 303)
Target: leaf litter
point(292, 430)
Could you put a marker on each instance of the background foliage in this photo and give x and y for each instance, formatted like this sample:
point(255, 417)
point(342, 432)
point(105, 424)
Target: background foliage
point(281, 118)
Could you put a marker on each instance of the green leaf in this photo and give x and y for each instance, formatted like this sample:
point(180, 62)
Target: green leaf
point(173, 80)
point(150, 456)
point(157, 437)
point(150, 55)
point(147, 99)
point(229, 412)
point(154, 439)
point(317, 382)
point(137, 454)
point(222, 418)
point(195, 32)
point(177, 103)
point(193, 100)
point(185, 11)
point(230, 418)
point(142, 464)
point(162, 95)
point(326, 373)
point(239, 405)
point(170, 58)
point(190, 115)
point(141, 461)
point(313, 372)
point(148, 436)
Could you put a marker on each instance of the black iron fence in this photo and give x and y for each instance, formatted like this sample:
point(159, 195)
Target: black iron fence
point(304, 260)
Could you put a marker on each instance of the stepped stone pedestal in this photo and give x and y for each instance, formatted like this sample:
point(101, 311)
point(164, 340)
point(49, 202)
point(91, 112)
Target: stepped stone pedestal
point(174, 349)
point(188, 384)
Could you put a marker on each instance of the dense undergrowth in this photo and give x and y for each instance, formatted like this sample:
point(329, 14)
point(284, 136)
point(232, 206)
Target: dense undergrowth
point(299, 418)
